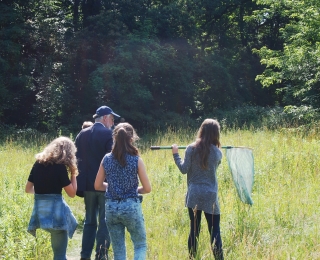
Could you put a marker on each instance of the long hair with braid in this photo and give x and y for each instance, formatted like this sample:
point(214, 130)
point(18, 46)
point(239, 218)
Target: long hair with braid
point(124, 137)
point(60, 151)
point(208, 134)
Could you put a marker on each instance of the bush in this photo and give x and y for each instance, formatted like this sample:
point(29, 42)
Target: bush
point(266, 117)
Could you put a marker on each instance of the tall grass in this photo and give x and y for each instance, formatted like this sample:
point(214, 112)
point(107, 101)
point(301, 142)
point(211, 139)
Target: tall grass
point(16, 160)
point(283, 222)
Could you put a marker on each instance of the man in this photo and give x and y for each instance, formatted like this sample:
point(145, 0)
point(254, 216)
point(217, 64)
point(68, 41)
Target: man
point(92, 144)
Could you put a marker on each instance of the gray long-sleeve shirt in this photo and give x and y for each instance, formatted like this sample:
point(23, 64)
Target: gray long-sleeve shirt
point(202, 184)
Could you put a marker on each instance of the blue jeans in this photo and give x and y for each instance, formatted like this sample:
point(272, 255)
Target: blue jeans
point(95, 226)
point(121, 214)
point(59, 243)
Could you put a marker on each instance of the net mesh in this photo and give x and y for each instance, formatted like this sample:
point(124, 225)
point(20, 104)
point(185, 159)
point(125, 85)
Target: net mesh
point(241, 164)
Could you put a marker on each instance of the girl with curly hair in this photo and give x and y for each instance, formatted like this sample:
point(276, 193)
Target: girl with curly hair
point(49, 174)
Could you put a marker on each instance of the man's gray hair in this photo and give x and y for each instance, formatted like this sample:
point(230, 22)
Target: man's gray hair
point(98, 119)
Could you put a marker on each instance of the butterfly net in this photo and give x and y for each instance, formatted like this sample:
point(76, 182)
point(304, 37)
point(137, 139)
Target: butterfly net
point(241, 164)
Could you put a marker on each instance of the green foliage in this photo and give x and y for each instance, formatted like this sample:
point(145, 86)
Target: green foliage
point(303, 114)
point(295, 68)
point(14, 64)
point(247, 117)
point(60, 60)
point(215, 87)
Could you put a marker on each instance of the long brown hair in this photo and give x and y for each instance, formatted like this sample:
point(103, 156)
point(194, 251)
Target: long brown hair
point(123, 138)
point(60, 151)
point(208, 134)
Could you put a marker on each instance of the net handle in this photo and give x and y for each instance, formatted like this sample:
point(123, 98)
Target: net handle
point(184, 147)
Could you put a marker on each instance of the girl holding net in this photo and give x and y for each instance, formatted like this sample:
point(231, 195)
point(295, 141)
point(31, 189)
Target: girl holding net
point(200, 163)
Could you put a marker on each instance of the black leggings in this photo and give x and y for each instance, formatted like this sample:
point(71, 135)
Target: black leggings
point(213, 222)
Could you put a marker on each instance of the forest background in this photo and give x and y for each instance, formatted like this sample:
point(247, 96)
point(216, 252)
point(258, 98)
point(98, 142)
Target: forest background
point(158, 63)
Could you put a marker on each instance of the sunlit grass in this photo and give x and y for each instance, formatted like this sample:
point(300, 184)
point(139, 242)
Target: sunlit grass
point(283, 222)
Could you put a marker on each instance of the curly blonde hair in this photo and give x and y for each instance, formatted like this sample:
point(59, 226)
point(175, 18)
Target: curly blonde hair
point(60, 151)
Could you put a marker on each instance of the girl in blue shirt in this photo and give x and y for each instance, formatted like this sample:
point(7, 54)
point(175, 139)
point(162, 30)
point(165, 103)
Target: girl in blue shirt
point(119, 175)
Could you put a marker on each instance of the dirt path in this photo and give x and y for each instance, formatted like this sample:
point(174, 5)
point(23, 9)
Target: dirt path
point(74, 246)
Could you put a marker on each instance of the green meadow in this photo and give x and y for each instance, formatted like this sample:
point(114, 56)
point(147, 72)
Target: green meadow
point(283, 222)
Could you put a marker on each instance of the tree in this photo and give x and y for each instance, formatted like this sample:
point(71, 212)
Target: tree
point(32, 51)
point(294, 69)
point(145, 81)
point(149, 59)
point(16, 93)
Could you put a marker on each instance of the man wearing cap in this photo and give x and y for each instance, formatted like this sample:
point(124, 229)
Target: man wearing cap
point(92, 144)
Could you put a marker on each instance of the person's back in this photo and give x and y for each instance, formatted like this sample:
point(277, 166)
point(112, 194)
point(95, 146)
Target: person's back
point(100, 144)
point(81, 143)
point(202, 183)
point(48, 176)
point(123, 181)
point(198, 175)
point(92, 144)
point(119, 175)
point(200, 164)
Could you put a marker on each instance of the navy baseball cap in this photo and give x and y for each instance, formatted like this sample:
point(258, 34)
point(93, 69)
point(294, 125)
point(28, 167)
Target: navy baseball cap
point(104, 110)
